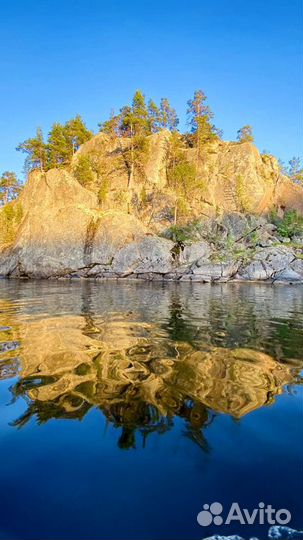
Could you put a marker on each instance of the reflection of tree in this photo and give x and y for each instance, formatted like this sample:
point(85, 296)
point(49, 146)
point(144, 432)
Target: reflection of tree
point(140, 389)
point(141, 375)
point(235, 320)
point(177, 326)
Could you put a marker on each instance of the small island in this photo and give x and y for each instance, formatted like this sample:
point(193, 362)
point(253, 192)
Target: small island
point(141, 200)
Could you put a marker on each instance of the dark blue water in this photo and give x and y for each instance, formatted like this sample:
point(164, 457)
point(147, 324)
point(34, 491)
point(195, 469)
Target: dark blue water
point(126, 407)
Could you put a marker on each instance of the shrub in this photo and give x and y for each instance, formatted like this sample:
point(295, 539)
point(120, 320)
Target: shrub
point(289, 225)
point(187, 233)
point(103, 191)
point(83, 171)
point(10, 219)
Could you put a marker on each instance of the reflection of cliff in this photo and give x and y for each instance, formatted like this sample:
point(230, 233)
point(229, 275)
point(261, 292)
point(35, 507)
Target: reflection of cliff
point(136, 374)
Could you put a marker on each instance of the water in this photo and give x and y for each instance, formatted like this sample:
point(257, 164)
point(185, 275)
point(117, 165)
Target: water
point(126, 407)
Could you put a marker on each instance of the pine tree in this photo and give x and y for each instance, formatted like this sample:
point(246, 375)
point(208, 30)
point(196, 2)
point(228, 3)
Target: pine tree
point(36, 151)
point(200, 116)
point(77, 132)
point(139, 115)
point(60, 148)
point(181, 174)
point(245, 134)
point(154, 116)
point(295, 170)
point(168, 116)
point(111, 126)
point(83, 170)
point(9, 187)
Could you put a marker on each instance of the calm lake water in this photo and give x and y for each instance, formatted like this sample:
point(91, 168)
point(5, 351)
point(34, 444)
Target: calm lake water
point(127, 406)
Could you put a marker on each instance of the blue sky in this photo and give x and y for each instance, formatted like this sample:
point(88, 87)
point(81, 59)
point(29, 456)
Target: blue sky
point(63, 57)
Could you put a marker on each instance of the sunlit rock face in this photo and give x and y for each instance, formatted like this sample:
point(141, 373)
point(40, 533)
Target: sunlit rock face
point(59, 229)
point(132, 370)
point(231, 172)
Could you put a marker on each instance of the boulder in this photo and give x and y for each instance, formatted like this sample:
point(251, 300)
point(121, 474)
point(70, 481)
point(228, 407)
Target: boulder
point(288, 275)
point(297, 266)
point(152, 254)
point(267, 262)
point(279, 532)
point(193, 252)
point(208, 271)
point(298, 239)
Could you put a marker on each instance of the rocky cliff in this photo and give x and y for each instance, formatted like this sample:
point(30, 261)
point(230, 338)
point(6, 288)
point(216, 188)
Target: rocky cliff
point(58, 228)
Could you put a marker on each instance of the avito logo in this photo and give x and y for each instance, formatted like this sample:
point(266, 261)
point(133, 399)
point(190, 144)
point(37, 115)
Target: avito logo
point(211, 513)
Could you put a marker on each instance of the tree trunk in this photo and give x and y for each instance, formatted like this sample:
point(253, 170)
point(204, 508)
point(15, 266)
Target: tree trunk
point(131, 173)
point(175, 213)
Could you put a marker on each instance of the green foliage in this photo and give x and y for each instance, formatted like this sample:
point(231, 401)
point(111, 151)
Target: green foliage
point(10, 219)
point(168, 116)
point(182, 175)
point(242, 198)
point(187, 233)
point(76, 133)
point(93, 172)
point(134, 158)
point(63, 140)
point(144, 196)
point(59, 149)
point(154, 116)
point(134, 119)
point(295, 170)
point(36, 152)
point(103, 191)
point(122, 197)
point(291, 224)
point(83, 170)
point(140, 119)
point(9, 187)
point(199, 117)
point(111, 126)
point(245, 134)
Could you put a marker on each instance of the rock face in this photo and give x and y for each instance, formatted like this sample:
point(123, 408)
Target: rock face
point(62, 231)
point(57, 228)
point(236, 177)
point(269, 263)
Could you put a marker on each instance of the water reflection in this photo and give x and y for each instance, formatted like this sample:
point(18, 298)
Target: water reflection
point(144, 354)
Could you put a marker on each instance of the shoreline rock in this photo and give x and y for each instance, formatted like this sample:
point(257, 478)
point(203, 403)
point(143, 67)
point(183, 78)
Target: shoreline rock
point(278, 532)
point(56, 229)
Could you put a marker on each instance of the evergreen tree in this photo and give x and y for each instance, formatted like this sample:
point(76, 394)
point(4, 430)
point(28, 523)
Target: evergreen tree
point(200, 116)
point(168, 116)
point(295, 170)
point(126, 126)
point(77, 132)
point(83, 170)
point(181, 175)
point(154, 116)
point(139, 115)
point(60, 147)
point(111, 126)
point(36, 151)
point(9, 187)
point(245, 134)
